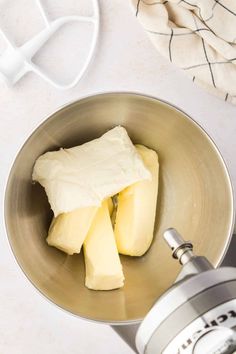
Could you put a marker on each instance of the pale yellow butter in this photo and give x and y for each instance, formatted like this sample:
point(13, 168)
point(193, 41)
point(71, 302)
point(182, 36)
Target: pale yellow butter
point(136, 211)
point(103, 266)
point(68, 230)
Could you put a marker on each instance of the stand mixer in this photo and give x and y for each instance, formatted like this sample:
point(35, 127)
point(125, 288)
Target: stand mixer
point(197, 315)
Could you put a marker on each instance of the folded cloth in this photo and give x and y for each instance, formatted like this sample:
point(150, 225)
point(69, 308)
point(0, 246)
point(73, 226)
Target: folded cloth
point(199, 36)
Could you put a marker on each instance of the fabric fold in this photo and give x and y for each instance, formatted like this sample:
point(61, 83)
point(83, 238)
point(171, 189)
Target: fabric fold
point(199, 36)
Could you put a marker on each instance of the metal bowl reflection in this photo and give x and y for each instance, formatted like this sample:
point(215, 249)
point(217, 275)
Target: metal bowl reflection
point(195, 197)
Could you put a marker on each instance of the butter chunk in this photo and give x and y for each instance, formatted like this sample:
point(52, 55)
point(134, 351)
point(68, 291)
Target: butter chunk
point(110, 206)
point(136, 210)
point(85, 175)
point(102, 262)
point(68, 230)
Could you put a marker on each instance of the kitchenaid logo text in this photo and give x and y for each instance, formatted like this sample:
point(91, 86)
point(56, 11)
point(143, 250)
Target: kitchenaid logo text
point(218, 321)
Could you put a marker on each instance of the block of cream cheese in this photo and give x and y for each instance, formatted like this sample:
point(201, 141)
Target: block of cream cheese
point(68, 230)
point(102, 262)
point(136, 210)
point(85, 175)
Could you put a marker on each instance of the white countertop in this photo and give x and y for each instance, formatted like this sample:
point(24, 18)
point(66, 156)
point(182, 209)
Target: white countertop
point(124, 60)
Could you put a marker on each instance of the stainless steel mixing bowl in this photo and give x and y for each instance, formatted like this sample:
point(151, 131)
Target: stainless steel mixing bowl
point(195, 197)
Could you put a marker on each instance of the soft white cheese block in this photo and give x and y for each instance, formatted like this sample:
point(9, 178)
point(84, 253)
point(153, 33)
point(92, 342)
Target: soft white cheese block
point(136, 210)
point(85, 175)
point(102, 262)
point(68, 230)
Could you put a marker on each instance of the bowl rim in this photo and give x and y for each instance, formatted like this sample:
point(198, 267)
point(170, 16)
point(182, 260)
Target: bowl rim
point(91, 96)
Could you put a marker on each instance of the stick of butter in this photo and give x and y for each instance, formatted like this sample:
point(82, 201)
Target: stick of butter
point(110, 205)
point(85, 175)
point(68, 230)
point(102, 262)
point(136, 211)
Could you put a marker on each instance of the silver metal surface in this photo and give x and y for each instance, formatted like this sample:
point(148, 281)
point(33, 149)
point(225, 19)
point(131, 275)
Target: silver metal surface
point(178, 327)
point(177, 296)
point(216, 318)
point(129, 332)
point(220, 340)
point(195, 196)
point(181, 250)
point(201, 300)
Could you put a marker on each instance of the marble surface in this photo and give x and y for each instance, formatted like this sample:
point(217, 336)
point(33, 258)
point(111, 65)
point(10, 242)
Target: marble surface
point(124, 61)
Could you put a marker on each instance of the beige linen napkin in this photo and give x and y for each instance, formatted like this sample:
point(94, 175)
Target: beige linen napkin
point(199, 36)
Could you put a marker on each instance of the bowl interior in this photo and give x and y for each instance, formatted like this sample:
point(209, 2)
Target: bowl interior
point(195, 197)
